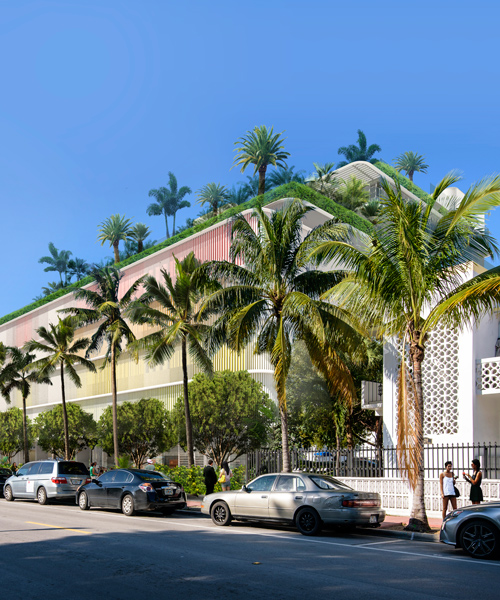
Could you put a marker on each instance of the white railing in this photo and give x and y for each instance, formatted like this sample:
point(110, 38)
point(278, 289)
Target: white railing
point(488, 375)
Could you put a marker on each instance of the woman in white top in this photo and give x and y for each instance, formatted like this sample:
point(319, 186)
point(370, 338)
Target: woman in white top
point(447, 483)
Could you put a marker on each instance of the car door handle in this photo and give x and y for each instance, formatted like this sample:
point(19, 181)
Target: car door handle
point(263, 496)
point(298, 497)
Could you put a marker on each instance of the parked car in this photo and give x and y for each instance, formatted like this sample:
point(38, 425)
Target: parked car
point(4, 475)
point(307, 500)
point(46, 480)
point(132, 490)
point(475, 529)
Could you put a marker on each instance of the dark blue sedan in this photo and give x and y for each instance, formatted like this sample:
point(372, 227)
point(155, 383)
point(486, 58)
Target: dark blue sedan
point(132, 490)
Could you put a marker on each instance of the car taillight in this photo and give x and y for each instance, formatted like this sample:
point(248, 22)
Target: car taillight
point(361, 503)
point(146, 487)
point(88, 480)
point(59, 480)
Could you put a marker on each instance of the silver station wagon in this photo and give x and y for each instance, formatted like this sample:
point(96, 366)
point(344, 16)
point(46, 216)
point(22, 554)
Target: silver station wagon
point(46, 479)
point(307, 500)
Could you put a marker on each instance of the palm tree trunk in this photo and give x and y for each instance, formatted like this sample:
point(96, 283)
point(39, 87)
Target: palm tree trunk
point(65, 417)
point(418, 517)
point(114, 403)
point(285, 449)
point(173, 227)
point(187, 412)
point(140, 246)
point(410, 175)
point(262, 179)
point(166, 226)
point(117, 252)
point(25, 432)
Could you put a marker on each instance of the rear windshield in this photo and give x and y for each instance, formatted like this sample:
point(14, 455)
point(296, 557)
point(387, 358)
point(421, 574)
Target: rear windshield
point(325, 482)
point(151, 476)
point(72, 468)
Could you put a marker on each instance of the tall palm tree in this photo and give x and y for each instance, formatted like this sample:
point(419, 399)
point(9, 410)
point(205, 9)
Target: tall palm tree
point(106, 308)
point(271, 296)
point(114, 229)
point(407, 278)
point(169, 200)
point(251, 186)
point(410, 163)
point(362, 151)
point(175, 313)
point(57, 261)
point(18, 374)
point(215, 195)
point(57, 343)
point(51, 287)
point(238, 195)
point(260, 148)
point(79, 268)
point(139, 233)
point(283, 176)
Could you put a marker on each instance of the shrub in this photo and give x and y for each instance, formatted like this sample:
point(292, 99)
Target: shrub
point(191, 478)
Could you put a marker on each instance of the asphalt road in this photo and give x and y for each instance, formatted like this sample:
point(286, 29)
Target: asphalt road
point(59, 552)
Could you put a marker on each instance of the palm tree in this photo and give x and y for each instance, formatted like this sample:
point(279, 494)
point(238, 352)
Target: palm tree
point(114, 229)
point(251, 186)
point(353, 194)
point(274, 300)
point(411, 162)
point(139, 233)
point(238, 195)
point(324, 180)
point(260, 147)
point(215, 195)
point(407, 279)
point(57, 261)
point(51, 287)
point(79, 268)
point(106, 308)
point(175, 314)
point(283, 176)
point(371, 211)
point(169, 200)
point(57, 342)
point(18, 374)
point(362, 151)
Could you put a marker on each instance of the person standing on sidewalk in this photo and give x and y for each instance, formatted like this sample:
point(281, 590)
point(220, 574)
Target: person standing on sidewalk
point(447, 483)
point(476, 493)
point(210, 477)
point(225, 477)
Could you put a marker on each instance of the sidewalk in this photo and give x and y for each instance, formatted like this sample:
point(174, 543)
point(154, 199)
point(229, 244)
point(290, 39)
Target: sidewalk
point(393, 526)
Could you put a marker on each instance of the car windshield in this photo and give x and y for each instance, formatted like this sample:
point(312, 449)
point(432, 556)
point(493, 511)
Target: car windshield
point(325, 482)
point(72, 468)
point(151, 476)
point(5, 472)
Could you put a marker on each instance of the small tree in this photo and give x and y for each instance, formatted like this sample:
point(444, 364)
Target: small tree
point(11, 433)
point(82, 431)
point(231, 414)
point(144, 430)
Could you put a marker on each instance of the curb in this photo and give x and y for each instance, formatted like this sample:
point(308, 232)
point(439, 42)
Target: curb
point(405, 535)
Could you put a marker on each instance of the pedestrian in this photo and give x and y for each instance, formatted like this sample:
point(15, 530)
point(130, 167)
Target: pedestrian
point(93, 470)
point(210, 477)
point(476, 493)
point(150, 465)
point(14, 468)
point(447, 482)
point(225, 477)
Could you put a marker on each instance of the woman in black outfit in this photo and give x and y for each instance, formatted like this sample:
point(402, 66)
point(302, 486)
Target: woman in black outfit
point(476, 493)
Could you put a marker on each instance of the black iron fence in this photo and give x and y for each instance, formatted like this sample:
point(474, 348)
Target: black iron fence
point(369, 461)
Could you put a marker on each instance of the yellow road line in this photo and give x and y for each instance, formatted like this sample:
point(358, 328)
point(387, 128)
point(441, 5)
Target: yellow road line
point(58, 527)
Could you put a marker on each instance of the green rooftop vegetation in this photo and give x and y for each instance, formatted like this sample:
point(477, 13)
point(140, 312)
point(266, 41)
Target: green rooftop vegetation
point(289, 190)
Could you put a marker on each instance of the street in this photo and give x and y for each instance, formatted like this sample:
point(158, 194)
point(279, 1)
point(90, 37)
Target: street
point(61, 552)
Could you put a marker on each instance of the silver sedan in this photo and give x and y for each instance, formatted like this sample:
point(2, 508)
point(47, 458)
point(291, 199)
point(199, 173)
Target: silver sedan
point(475, 529)
point(307, 500)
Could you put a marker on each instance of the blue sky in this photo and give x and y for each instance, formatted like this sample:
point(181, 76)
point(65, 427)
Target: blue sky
point(100, 99)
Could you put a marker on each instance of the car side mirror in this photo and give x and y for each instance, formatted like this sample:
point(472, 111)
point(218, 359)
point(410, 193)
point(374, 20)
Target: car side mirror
point(245, 489)
point(96, 481)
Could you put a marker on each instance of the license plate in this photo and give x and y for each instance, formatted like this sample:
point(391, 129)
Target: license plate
point(168, 492)
point(373, 518)
point(76, 481)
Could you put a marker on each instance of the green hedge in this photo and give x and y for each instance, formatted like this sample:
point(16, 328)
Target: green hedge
point(191, 478)
point(289, 190)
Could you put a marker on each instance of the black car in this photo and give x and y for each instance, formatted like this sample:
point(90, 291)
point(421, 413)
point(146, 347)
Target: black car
point(4, 475)
point(132, 490)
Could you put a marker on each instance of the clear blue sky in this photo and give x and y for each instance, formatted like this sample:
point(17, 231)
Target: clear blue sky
point(100, 99)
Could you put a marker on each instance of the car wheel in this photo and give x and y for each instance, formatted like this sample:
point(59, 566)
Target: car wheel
point(167, 511)
point(308, 522)
point(128, 505)
point(41, 495)
point(220, 513)
point(83, 501)
point(7, 493)
point(480, 539)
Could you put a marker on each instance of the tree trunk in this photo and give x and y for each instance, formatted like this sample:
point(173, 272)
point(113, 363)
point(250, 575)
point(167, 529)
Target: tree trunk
point(65, 417)
point(285, 450)
point(114, 403)
point(173, 226)
point(262, 179)
point(166, 226)
point(410, 175)
point(140, 246)
point(25, 432)
point(418, 516)
point(117, 252)
point(187, 412)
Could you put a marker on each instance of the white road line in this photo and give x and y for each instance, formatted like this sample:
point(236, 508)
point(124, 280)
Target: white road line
point(375, 543)
point(294, 538)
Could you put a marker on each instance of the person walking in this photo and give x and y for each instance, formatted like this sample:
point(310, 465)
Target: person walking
point(210, 477)
point(150, 466)
point(225, 477)
point(447, 483)
point(13, 468)
point(476, 493)
point(93, 470)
